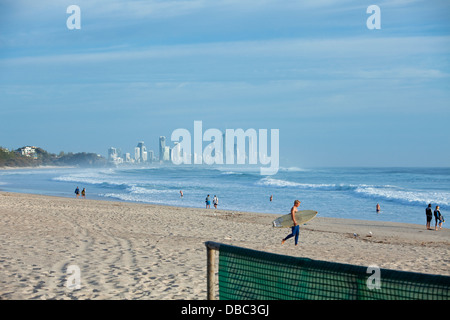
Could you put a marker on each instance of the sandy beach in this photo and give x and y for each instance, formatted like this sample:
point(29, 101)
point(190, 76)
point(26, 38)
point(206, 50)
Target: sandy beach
point(140, 251)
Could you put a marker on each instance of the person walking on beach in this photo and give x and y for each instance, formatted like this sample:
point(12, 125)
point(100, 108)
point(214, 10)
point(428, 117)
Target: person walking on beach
point(215, 201)
point(208, 202)
point(429, 214)
point(295, 230)
point(77, 192)
point(438, 217)
point(83, 193)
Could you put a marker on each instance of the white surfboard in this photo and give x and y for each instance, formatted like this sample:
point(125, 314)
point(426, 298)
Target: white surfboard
point(301, 217)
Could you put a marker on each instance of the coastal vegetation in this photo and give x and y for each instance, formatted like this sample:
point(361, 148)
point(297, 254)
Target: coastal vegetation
point(34, 157)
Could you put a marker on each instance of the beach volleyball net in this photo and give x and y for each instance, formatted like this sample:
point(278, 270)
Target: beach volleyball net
point(245, 274)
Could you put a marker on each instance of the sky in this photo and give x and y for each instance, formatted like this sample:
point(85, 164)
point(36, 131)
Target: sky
point(339, 93)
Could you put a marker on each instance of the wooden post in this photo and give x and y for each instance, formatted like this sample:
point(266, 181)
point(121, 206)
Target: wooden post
point(211, 247)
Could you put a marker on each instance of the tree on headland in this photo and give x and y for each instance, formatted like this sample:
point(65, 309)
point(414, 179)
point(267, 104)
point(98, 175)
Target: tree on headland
point(35, 156)
point(12, 159)
point(82, 159)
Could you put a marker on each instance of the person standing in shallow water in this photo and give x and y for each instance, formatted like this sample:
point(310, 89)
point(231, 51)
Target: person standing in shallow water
point(83, 193)
point(77, 192)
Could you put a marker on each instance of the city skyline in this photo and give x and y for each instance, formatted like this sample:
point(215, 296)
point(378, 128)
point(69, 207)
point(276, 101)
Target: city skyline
point(141, 154)
point(242, 150)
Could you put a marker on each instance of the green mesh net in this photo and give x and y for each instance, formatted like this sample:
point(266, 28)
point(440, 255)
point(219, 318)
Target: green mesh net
point(255, 275)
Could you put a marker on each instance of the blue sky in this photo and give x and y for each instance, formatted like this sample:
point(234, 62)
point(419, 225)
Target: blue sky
point(340, 94)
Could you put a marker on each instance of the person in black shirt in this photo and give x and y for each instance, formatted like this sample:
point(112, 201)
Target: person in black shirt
point(429, 213)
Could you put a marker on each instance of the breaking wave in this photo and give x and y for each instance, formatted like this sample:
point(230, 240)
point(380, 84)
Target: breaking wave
point(379, 192)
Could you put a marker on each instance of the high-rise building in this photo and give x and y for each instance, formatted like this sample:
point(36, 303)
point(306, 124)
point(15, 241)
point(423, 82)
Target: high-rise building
point(112, 153)
point(176, 151)
point(137, 154)
point(162, 147)
point(166, 156)
point(150, 156)
point(142, 151)
point(113, 156)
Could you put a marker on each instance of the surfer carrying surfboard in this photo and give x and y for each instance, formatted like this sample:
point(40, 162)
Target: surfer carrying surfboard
point(295, 228)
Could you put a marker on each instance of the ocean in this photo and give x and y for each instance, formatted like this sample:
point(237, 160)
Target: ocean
point(403, 193)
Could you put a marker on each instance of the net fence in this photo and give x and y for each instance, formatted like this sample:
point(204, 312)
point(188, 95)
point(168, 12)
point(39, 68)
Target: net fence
point(246, 274)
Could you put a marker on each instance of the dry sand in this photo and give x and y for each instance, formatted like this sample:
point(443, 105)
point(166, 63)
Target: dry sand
point(141, 251)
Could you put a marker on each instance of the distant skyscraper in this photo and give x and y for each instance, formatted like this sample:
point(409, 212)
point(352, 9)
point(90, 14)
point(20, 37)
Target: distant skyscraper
point(137, 154)
point(162, 147)
point(142, 151)
point(150, 156)
point(119, 152)
point(166, 156)
point(112, 153)
point(176, 151)
point(113, 156)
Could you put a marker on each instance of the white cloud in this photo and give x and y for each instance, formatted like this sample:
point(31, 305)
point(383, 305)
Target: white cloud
point(347, 50)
